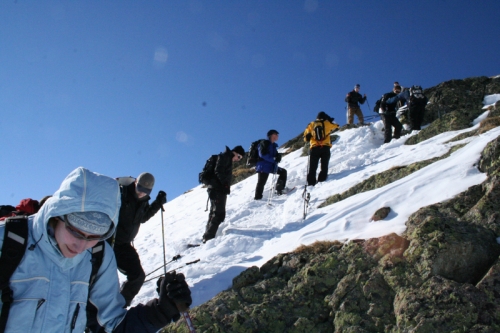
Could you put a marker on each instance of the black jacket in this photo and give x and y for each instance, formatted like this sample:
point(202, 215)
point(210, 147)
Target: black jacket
point(353, 98)
point(133, 212)
point(390, 109)
point(223, 171)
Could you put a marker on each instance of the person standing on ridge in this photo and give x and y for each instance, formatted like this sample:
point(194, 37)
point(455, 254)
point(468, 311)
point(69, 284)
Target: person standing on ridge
point(49, 288)
point(268, 163)
point(352, 99)
point(317, 134)
point(135, 210)
point(219, 188)
point(388, 105)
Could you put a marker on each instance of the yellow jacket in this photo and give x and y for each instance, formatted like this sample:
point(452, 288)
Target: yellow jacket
point(328, 128)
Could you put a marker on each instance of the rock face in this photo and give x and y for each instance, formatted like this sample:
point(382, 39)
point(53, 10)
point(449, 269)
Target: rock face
point(441, 275)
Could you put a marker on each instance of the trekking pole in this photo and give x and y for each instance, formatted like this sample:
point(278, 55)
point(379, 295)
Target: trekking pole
point(273, 186)
point(306, 195)
point(369, 108)
point(173, 270)
point(183, 309)
point(173, 259)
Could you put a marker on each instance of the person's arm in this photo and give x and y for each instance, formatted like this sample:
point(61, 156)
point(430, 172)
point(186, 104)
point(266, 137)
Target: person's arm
point(155, 206)
point(307, 133)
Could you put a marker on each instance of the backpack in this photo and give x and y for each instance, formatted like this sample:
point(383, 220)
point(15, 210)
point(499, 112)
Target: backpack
point(377, 106)
point(417, 96)
point(253, 153)
point(6, 210)
point(319, 130)
point(14, 246)
point(208, 171)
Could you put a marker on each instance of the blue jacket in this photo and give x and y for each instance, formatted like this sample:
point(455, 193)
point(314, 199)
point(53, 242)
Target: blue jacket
point(267, 163)
point(50, 290)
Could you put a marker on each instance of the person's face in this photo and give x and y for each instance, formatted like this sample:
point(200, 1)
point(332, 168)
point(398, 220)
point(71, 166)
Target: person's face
point(69, 245)
point(273, 138)
point(236, 157)
point(356, 89)
point(140, 194)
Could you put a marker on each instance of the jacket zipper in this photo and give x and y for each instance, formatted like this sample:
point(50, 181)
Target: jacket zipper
point(75, 316)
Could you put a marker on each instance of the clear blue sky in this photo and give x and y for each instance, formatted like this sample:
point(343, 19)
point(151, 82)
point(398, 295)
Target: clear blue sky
point(122, 87)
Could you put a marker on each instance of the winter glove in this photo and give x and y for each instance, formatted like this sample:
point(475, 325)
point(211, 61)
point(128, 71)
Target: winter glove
point(227, 189)
point(161, 198)
point(331, 119)
point(173, 289)
point(308, 137)
point(277, 158)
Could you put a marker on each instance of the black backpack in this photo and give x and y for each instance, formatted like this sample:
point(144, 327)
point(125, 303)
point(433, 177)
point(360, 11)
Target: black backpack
point(208, 172)
point(253, 153)
point(14, 246)
point(319, 130)
point(377, 106)
point(417, 96)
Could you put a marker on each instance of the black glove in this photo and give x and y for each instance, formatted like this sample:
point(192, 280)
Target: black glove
point(173, 289)
point(161, 198)
point(331, 119)
point(277, 158)
point(227, 189)
point(308, 137)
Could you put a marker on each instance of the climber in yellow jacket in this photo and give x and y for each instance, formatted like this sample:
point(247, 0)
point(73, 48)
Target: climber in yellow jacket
point(317, 134)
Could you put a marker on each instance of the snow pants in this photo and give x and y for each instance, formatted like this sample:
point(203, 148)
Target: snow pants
point(128, 263)
point(355, 111)
point(315, 155)
point(262, 179)
point(390, 121)
point(217, 213)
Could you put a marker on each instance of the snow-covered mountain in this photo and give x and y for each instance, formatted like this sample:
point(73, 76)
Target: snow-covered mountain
point(254, 231)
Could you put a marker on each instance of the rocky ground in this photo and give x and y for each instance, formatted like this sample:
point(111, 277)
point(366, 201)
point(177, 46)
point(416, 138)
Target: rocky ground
point(441, 275)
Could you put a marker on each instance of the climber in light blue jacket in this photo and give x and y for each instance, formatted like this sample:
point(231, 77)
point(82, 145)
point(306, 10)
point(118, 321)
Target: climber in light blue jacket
point(51, 284)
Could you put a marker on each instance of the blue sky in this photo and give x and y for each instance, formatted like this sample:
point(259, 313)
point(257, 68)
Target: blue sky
point(122, 87)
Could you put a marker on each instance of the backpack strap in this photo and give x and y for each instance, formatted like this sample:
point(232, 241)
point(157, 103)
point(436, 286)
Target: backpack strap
point(97, 258)
point(14, 246)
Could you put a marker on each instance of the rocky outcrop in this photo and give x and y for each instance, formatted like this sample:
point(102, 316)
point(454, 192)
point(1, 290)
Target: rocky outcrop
point(441, 275)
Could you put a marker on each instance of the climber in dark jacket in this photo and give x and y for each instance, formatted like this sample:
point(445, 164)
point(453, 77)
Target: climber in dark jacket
point(135, 209)
point(219, 188)
point(388, 114)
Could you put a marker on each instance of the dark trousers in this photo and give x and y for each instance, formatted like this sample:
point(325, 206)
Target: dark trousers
point(128, 263)
point(390, 121)
point(217, 213)
point(262, 179)
point(316, 154)
point(416, 116)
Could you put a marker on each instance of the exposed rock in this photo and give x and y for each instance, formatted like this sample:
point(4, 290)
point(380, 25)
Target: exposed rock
point(381, 214)
point(441, 275)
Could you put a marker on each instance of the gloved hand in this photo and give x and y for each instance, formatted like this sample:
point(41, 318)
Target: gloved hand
point(161, 197)
point(308, 137)
point(331, 119)
point(227, 189)
point(173, 289)
point(277, 158)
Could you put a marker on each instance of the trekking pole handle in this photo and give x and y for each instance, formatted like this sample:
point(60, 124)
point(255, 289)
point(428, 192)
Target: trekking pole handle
point(183, 310)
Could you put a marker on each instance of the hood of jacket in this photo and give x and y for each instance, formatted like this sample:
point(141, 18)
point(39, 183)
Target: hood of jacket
point(81, 191)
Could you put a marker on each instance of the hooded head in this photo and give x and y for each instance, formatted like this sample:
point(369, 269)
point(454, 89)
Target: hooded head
point(91, 200)
point(145, 183)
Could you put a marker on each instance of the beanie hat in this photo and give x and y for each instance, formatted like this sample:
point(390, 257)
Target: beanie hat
point(95, 223)
point(145, 182)
point(322, 115)
point(357, 86)
point(271, 132)
point(239, 150)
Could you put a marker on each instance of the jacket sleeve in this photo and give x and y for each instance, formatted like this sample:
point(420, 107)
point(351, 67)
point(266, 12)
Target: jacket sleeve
point(111, 316)
point(306, 132)
point(151, 210)
point(392, 100)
